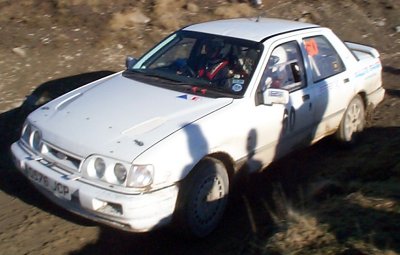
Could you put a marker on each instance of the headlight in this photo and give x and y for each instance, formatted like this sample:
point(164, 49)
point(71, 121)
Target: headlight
point(35, 140)
point(120, 172)
point(26, 132)
point(141, 176)
point(32, 136)
point(100, 167)
point(116, 172)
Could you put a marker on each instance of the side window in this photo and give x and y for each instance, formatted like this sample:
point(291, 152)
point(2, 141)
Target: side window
point(285, 68)
point(323, 58)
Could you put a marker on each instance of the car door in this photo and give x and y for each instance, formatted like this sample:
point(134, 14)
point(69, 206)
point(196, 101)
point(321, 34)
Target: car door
point(283, 126)
point(330, 82)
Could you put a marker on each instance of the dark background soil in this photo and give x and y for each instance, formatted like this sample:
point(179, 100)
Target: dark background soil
point(323, 200)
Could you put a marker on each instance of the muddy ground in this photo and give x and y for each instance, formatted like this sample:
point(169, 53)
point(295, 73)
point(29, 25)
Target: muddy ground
point(336, 201)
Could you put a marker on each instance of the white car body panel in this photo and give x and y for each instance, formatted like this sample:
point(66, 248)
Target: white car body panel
point(95, 109)
point(140, 124)
point(249, 29)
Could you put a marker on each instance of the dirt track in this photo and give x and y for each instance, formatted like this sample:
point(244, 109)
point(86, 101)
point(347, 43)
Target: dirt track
point(46, 48)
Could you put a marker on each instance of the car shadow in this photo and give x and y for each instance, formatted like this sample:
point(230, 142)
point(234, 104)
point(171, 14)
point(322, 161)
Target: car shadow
point(390, 69)
point(249, 222)
point(11, 181)
point(393, 92)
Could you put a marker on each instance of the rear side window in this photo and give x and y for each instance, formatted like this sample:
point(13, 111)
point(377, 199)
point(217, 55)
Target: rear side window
point(323, 58)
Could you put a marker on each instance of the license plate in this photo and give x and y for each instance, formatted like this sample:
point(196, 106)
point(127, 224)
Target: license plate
point(57, 188)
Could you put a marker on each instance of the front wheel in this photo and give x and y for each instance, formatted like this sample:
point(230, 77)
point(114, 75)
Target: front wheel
point(353, 121)
point(202, 198)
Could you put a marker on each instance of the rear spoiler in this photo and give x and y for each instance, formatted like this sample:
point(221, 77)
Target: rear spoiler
point(356, 47)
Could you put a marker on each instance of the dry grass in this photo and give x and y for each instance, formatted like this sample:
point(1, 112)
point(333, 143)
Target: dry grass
point(363, 218)
point(307, 230)
point(300, 232)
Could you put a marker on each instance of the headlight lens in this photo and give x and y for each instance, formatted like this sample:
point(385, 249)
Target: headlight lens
point(26, 132)
point(120, 172)
point(36, 140)
point(32, 136)
point(116, 172)
point(141, 176)
point(100, 167)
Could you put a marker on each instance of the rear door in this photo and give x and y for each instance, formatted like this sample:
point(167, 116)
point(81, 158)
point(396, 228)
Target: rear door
point(330, 81)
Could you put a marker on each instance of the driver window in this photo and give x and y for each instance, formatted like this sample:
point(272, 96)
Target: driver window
point(285, 68)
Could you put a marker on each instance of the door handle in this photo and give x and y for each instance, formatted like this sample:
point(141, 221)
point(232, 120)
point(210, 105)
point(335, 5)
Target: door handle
point(306, 97)
point(346, 80)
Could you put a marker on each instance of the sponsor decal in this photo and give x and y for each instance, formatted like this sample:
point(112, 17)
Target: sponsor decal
point(183, 97)
point(366, 70)
point(238, 81)
point(237, 87)
point(274, 93)
point(188, 97)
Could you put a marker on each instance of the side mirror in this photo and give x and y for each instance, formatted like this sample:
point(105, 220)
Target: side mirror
point(130, 62)
point(275, 96)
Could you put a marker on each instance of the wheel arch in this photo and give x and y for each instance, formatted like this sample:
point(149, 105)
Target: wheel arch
point(223, 157)
point(368, 106)
point(226, 160)
point(363, 96)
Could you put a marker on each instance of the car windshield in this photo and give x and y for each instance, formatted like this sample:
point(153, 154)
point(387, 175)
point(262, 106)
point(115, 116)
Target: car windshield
point(201, 63)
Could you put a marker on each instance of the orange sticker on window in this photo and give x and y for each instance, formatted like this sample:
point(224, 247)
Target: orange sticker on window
point(311, 47)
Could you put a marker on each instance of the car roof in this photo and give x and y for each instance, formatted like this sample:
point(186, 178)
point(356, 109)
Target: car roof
point(255, 29)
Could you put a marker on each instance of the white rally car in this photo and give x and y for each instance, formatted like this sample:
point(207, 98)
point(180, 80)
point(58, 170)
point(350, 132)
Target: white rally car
point(161, 141)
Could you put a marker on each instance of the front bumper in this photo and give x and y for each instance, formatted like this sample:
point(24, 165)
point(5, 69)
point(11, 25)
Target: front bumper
point(130, 212)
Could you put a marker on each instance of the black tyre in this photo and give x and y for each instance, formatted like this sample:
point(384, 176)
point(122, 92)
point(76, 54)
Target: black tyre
point(202, 198)
point(353, 121)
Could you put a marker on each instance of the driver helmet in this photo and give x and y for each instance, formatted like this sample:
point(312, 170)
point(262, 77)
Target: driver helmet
point(277, 62)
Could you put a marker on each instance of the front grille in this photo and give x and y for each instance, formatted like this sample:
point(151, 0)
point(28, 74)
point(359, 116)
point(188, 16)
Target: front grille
point(60, 158)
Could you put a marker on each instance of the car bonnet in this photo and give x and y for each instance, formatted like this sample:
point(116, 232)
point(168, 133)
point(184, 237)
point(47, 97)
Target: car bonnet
point(119, 117)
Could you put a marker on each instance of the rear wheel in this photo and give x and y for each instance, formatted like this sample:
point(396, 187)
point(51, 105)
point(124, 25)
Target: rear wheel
point(202, 198)
point(353, 121)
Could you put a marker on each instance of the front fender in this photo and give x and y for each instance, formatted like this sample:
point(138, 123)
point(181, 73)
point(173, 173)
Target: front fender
point(175, 156)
